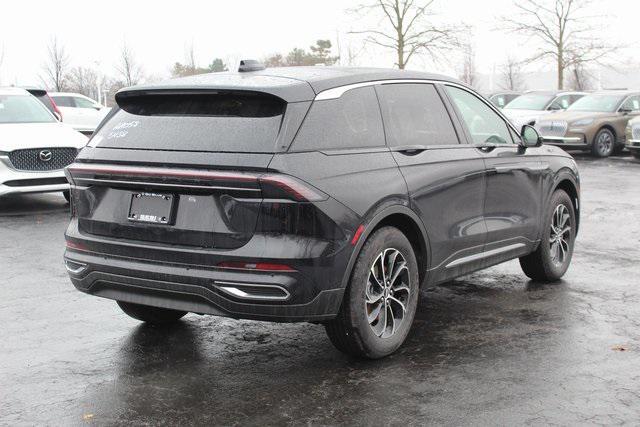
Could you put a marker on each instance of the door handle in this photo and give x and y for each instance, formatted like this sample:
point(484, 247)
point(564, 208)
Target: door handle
point(410, 150)
point(486, 147)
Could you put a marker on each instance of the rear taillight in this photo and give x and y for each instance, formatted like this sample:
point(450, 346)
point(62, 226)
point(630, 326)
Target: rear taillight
point(76, 245)
point(274, 186)
point(255, 266)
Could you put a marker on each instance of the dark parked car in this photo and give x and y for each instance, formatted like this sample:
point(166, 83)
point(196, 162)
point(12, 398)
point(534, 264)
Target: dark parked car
point(324, 195)
point(43, 96)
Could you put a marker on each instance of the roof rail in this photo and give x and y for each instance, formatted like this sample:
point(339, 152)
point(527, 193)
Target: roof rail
point(250, 65)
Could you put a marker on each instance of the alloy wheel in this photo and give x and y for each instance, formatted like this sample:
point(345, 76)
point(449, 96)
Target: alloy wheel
point(387, 293)
point(560, 236)
point(605, 142)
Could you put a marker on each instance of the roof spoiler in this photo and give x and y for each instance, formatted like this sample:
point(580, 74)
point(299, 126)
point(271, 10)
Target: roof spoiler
point(250, 65)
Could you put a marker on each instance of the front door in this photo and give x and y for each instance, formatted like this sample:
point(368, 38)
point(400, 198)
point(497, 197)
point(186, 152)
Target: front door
point(445, 178)
point(514, 176)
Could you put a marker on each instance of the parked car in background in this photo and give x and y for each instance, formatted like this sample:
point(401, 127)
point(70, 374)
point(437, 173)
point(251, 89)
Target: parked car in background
point(79, 111)
point(530, 106)
point(34, 146)
point(501, 99)
point(45, 98)
point(596, 122)
point(633, 137)
point(311, 194)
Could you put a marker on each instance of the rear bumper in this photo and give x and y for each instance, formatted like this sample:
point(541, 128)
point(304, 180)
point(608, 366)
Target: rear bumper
point(196, 290)
point(13, 181)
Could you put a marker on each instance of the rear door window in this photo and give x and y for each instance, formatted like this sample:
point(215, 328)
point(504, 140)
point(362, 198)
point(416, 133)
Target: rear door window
point(247, 122)
point(414, 114)
point(351, 121)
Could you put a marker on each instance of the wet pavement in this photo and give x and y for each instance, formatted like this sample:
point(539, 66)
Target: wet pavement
point(491, 348)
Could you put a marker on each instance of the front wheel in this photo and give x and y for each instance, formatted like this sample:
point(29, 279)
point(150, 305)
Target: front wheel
point(146, 313)
point(604, 143)
point(381, 298)
point(553, 256)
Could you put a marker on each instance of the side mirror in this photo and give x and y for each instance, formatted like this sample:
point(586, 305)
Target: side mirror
point(530, 137)
point(625, 111)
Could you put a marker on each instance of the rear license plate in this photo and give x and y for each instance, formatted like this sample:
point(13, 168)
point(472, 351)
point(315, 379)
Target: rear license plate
point(152, 208)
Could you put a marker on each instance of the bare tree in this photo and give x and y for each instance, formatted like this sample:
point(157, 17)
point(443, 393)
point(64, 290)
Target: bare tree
point(84, 80)
point(511, 75)
point(580, 78)
point(566, 34)
point(469, 73)
point(128, 68)
point(407, 27)
point(55, 69)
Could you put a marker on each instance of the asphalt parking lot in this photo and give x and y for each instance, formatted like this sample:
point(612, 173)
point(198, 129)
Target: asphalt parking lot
point(491, 348)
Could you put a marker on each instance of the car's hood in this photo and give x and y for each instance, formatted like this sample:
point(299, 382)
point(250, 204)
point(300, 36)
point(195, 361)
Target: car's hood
point(15, 136)
point(573, 116)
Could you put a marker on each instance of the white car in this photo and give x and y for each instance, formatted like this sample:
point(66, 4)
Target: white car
point(34, 146)
point(530, 106)
point(79, 111)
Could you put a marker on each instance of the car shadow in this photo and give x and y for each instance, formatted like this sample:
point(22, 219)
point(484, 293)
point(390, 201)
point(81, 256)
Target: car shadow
point(29, 204)
point(223, 371)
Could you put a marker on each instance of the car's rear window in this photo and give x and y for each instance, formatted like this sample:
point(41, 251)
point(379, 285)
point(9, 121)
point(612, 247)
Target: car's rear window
point(218, 121)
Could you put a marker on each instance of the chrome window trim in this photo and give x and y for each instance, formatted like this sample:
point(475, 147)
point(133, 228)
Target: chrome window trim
point(337, 92)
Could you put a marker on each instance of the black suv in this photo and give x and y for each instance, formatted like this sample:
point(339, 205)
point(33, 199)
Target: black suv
point(324, 195)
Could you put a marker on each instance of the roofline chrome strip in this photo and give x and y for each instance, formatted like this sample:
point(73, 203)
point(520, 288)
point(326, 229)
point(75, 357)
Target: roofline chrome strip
point(337, 92)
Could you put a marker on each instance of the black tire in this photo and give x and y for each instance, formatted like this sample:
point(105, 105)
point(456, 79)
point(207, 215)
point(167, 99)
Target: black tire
point(67, 195)
point(604, 143)
point(351, 332)
point(155, 315)
point(543, 265)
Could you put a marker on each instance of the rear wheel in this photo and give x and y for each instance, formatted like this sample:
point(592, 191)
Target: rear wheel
point(553, 256)
point(603, 143)
point(150, 314)
point(381, 299)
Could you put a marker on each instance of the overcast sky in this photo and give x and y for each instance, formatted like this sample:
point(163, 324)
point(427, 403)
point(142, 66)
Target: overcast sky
point(93, 32)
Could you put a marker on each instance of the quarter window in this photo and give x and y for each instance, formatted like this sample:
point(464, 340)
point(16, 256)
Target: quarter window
point(484, 124)
point(351, 121)
point(414, 114)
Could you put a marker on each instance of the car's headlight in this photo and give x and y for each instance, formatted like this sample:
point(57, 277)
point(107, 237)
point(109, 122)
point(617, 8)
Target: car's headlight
point(582, 122)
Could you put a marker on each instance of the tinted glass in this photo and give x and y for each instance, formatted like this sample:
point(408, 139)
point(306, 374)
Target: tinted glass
point(632, 104)
point(484, 124)
point(63, 101)
point(597, 103)
point(561, 103)
point(530, 102)
point(415, 115)
point(23, 109)
point(351, 121)
point(224, 122)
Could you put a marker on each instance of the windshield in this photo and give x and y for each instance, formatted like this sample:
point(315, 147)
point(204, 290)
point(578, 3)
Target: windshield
point(530, 102)
point(597, 103)
point(23, 109)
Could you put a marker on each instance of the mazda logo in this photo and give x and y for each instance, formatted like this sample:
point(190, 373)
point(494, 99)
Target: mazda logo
point(45, 155)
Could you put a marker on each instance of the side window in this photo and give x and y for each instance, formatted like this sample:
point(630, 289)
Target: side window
point(64, 101)
point(632, 104)
point(484, 124)
point(560, 103)
point(574, 98)
point(83, 103)
point(414, 114)
point(351, 121)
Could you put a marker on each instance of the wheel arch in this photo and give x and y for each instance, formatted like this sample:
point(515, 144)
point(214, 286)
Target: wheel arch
point(569, 185)
point(409, 224)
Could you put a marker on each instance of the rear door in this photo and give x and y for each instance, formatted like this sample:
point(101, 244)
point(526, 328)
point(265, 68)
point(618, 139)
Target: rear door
point(445, 178)
point(67, 106)
point(514, 175)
